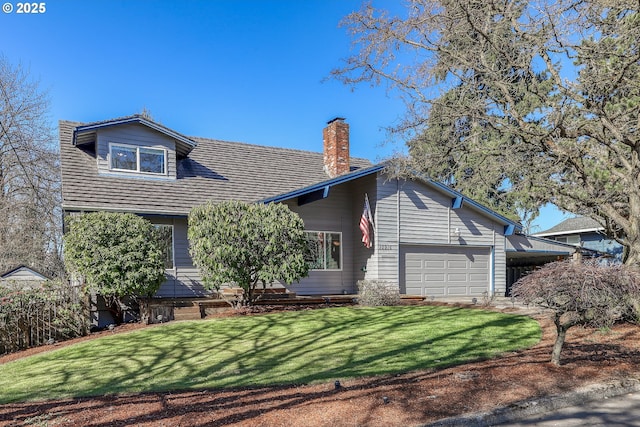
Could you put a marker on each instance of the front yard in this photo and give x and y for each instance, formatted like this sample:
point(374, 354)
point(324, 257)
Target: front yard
point(280, 348)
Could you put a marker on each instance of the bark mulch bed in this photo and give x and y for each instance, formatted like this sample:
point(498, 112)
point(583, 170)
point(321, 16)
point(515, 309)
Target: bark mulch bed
point(590, 356)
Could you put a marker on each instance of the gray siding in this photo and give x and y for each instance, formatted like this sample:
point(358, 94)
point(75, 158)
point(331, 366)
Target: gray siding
point(184, 279)
point(331, 214)
point(425, 217)
point(135, 135)
point(386, 261)
point(365, 265)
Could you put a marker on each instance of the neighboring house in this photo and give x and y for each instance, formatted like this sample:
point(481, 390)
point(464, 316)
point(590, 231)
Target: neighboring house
point(22, 276)
point(427, 239)
point(585, 233)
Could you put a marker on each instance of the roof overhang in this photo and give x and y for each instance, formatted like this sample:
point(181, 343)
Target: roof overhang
point(321, 190)
point(71, 209)
point(524, 246)
point(86, 134)
point(571, 232)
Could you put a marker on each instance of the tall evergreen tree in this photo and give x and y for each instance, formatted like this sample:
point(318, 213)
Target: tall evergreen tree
point(515, 102)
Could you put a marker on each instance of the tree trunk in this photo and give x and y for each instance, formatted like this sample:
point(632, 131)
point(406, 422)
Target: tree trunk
point(557, 346)
point(631, 230)
point(633, 253)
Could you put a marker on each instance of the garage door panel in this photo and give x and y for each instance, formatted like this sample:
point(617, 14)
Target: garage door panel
point(479, 265)
point(414, 278)
point(414, 263)
point(457, 264)
point(457, 277)
point(478, 278)
point(446, 271)
point(433, 264)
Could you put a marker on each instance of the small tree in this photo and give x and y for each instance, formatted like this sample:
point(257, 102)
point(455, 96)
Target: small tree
point(118, 255)
point(240, 244)
point(578, 293)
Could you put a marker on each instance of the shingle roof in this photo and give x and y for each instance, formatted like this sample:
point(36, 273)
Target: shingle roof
point(571, 226)
point(214, 170)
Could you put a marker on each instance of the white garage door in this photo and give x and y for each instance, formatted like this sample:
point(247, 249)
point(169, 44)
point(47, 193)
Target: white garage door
point(440, 271)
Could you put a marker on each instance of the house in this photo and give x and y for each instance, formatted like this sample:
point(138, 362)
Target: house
point(428, 239)
point(22, 276)
point(586, 233)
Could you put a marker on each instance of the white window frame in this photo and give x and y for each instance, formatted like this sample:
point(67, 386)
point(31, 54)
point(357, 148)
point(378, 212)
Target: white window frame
point(325, 243)
point(173, 244)
point(137, 148)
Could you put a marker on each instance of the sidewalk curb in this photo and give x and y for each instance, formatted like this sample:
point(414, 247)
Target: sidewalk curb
point(541, 405)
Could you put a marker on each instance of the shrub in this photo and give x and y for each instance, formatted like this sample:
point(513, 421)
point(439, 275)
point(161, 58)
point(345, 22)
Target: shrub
point(373, 293)
point(585, 294)
point(243, 245)
point(118, 255)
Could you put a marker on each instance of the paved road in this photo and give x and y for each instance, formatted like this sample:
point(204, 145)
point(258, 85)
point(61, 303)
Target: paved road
point(616, 411)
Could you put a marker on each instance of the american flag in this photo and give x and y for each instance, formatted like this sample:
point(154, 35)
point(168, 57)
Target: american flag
point(365, 223)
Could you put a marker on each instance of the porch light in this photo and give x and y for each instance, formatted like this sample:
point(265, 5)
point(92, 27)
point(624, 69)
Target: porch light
point(455, 232)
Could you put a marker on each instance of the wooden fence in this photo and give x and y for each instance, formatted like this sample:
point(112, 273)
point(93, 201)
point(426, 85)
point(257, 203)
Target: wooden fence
point(32, 317)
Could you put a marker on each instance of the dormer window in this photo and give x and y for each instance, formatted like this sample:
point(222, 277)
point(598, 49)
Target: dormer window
point(131, 158)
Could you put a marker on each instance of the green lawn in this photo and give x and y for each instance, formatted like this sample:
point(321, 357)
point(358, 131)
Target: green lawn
point(278, 348)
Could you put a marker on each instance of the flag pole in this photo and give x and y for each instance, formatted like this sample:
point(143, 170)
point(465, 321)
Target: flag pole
point(373, 224)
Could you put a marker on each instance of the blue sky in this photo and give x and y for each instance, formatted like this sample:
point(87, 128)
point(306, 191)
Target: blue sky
point(251, 71)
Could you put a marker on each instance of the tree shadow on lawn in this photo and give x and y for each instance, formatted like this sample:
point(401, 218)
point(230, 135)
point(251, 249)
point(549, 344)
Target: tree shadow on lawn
point(312, 348)
point(420, 396)
point(415, 397)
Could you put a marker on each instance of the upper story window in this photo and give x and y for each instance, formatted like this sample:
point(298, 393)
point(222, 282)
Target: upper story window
point(138, 159)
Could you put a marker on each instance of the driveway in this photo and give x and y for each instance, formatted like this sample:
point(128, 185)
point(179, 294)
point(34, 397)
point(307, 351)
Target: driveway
point(623, 410)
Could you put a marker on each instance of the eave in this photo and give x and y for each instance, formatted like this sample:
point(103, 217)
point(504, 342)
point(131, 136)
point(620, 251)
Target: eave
point(85, 134)
point(321, 190)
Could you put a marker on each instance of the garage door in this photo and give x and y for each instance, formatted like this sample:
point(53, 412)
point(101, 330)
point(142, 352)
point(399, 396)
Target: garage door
point(446, 271)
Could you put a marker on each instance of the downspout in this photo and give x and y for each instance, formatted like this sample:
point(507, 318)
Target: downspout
point(449, 225)
point(492, 277)
point(398, 272)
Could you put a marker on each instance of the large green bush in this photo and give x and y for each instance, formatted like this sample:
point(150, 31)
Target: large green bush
point(117, 255)
point(240, 244)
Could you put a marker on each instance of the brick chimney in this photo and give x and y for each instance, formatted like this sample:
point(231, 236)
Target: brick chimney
point(335, 138)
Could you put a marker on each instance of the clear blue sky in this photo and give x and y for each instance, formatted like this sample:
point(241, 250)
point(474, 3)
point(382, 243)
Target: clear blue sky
point(251, 71)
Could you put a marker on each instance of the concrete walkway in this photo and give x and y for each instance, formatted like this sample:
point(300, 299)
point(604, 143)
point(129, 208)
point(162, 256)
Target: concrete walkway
point(612, 404)
point(615, 411)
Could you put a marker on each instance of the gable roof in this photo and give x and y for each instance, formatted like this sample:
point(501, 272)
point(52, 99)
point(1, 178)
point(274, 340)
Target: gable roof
point(321, 189)
point(22, 272)
point(86, 134)
point(214, 170)
point(580, 224)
